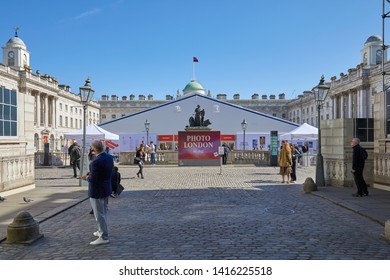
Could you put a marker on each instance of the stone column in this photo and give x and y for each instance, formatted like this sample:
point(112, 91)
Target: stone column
point(350, 104)
point(342, 106)
point(54, 108)
point(38, 100)
point(42, 110)
point(46, 112)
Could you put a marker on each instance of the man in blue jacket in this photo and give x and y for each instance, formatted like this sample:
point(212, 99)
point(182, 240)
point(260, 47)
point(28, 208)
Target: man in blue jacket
point(99, 189)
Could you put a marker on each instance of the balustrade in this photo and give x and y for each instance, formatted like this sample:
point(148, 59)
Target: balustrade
point(382, 168)
point(16, 171)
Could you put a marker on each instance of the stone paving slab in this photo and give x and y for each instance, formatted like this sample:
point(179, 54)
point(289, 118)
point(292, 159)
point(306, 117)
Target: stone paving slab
point(196, 213)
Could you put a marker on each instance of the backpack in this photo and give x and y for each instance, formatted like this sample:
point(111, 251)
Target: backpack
point(77, 151)
point(364, 153)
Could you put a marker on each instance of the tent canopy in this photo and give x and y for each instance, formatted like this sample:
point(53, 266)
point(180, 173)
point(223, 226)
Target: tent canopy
point(304, 132)
point(93, 132)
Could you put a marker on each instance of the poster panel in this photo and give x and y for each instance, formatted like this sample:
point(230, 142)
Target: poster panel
point(199, 148)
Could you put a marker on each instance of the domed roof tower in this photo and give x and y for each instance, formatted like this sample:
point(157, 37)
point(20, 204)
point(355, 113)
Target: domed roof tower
point(372, 52)
point(15, 53)
point(193, 87)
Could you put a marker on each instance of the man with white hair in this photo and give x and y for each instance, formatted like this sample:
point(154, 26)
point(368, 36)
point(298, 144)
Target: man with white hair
point(99, 189)
point(358, 159)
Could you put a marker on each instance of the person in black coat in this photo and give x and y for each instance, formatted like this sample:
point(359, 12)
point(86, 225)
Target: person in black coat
point(358, 167)
point(115, 181)
point(140, 157)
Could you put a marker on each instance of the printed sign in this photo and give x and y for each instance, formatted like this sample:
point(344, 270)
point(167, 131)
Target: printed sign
point(198, 148)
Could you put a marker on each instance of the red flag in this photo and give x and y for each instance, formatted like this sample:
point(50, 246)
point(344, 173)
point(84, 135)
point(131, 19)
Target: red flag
point(111, 144)
point(195, 59)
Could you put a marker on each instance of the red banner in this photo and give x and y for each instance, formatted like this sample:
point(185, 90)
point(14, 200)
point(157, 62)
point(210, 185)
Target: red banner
point(167, 138)
point(228, 137)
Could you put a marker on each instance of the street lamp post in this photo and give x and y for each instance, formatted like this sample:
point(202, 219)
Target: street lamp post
point(244, 125)
point(320, 92)
point(147, 125)
point(86, 93)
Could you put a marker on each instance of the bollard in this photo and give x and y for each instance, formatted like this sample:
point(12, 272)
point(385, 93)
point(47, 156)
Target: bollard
point(309, 185)
point(23, 229)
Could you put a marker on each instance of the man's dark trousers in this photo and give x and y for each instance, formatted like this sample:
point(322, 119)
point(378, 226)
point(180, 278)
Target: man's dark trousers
point(360, 183)
point(75, 164)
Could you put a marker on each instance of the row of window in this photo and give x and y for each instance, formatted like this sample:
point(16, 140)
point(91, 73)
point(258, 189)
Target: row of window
point(306, 110)
point(74, 123)
point(78, 110)
point(113, 116)
point(8, 112)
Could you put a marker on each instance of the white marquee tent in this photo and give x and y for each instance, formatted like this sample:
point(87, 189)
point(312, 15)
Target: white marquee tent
point(304, 132)
point(93, 132)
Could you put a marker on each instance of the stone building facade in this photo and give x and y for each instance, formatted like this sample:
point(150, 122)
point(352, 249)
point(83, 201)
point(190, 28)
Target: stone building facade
point(358, 102)
point(34, 109)
point(354, 107)
point(56, 109)
point(116, 107)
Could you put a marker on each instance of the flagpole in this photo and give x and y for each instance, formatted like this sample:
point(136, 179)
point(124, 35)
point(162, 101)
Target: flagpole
point(193, 70)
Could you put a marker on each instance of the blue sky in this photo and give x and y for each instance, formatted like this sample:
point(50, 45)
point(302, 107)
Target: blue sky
point(146, 47)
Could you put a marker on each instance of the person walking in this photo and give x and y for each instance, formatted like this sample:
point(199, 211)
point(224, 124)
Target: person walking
point(74, 152)
point(99, 189)
point(140, 157)
point(359, 156)
point(285, 161)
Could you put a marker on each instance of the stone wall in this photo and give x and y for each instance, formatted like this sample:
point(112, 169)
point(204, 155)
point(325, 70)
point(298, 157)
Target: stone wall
point(382, 145)
point(16, 172)
point(336, 148)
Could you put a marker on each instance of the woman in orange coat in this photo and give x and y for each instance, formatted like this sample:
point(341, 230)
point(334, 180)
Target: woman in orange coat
point(285, 161)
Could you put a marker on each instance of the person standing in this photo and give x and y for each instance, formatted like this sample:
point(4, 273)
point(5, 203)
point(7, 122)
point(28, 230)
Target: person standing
point(152, 151)
point(305, 156)
point(358, 159)
point(294, 164)
point(74, 152)
point(99, 189)
point(91, 154)
point(115, 181)
point(285, 161)
point(226, 149)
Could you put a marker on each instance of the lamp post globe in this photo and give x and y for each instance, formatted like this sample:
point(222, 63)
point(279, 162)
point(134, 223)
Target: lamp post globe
point(320, 92)
point(86, 93)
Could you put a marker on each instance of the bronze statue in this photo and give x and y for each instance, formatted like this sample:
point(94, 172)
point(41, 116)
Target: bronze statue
point(198, 121)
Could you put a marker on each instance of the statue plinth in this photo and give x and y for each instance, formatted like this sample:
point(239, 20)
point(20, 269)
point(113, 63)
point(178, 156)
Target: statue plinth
point(197, 128)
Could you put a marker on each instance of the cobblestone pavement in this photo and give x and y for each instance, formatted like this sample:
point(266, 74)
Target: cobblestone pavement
point(197, 213)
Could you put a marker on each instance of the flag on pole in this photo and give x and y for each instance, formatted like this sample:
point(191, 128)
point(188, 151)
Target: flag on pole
point(195, 59)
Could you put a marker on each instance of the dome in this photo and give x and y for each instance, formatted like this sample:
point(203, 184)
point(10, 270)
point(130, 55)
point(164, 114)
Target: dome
point(193, 87)
point(373, 38)
point(16, 41)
